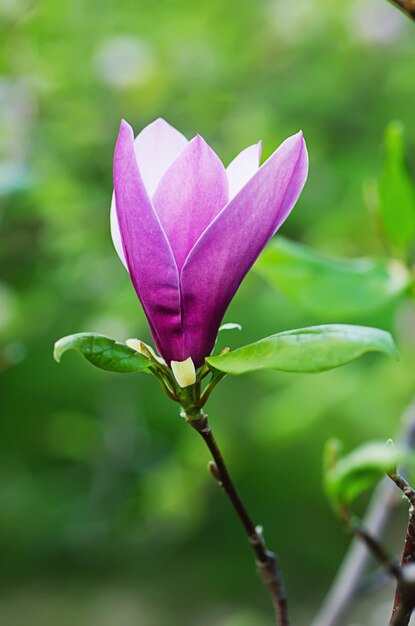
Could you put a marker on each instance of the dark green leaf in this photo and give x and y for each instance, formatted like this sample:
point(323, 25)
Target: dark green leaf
point(103, 352)
point(312, 349)
point(330, 286)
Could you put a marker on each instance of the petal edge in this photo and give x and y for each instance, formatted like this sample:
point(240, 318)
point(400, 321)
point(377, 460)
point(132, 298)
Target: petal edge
point(229, 247)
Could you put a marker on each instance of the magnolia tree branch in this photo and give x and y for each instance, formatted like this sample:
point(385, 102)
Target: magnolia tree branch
point(345, 586)
point(266, 561)
point(375, 548)
point(404, 574)
point(402, 611)
point(354, 566)
point(406, 6)
point(405, 594)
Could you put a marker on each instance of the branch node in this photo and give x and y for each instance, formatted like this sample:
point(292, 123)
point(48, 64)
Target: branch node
point(213, 471)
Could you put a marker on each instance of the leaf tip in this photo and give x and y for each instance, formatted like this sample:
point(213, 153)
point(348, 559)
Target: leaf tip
point(57, 350)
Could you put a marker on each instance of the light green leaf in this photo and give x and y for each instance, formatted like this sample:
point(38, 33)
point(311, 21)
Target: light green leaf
point(103, 352)
point(312, 349)
point(350, 476)
point(328, 286)
point(396, 190)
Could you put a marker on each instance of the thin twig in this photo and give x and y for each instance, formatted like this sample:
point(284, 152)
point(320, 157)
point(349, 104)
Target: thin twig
point(346, 583)
point(267, 562)
point(354, 566)
point(406, 6)
point(165, 387)
point(404, 486)
point(375, 548)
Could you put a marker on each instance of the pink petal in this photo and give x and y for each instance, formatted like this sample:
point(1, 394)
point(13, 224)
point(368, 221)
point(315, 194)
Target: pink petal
point(147, 252)
point(242, 168)
point(228, 248)
point(156, 147)
point(190, 195)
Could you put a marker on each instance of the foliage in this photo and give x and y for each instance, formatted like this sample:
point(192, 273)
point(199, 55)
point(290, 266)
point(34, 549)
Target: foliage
point(396, 191)
point(346, 478)
point(332, 287)
point(103, 352)
point(313, 349)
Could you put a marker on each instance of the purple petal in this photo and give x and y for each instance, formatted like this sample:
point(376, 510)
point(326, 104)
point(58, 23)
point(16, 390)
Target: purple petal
point(242, 168)
point(156, 147)
point(190, 195)
point(148, 255)
point(228, 248)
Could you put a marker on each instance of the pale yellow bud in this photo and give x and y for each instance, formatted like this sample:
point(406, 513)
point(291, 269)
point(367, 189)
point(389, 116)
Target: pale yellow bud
point(138, 346)
point(184, 372)
point(145, 350)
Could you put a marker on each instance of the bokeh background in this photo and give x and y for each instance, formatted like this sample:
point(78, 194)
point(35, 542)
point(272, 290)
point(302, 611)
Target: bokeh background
point(107, 514)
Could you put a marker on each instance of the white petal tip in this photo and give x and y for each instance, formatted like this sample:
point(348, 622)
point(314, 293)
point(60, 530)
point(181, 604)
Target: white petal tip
point(160, 121)
point(301, 137)
point(138, 346)
point(145, 350)
point(230, 326)
point(184, 372)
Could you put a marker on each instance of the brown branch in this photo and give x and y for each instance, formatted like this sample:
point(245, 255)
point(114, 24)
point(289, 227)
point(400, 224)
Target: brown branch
point(406, 6)
point(406, 590)
point(266, 561)
point(383, 503)
point(404, 601)
point(404, 486)
point(404, 573)
point(375, 548)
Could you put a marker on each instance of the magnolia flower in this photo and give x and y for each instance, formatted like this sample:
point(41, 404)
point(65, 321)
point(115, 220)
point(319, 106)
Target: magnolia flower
point(188, 230)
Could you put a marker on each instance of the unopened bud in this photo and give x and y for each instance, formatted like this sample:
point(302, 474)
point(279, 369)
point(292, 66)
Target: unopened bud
point(184, 372)
point(224, 351)
point(213, 470)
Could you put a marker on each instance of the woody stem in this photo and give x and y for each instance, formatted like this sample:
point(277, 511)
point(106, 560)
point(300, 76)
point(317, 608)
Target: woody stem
point(404, 601)
point(266, 561)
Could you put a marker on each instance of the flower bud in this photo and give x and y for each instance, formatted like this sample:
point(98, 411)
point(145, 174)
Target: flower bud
point(184, 372)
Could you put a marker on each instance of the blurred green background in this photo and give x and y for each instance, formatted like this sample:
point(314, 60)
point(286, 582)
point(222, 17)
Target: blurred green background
point(107, 514)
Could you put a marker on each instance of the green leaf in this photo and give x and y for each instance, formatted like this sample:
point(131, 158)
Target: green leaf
point(396, 190)
point(350, 476)
point(312, 349)
point(330, 286)
point(103, 352)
